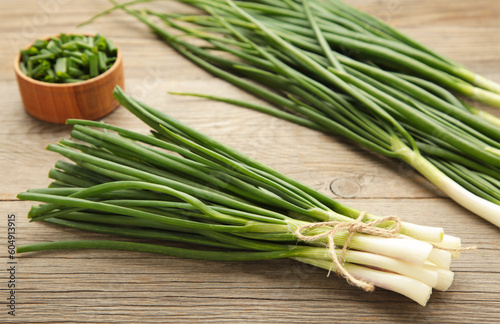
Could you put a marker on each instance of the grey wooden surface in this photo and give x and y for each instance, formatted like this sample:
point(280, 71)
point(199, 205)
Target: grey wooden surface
point(119, 287)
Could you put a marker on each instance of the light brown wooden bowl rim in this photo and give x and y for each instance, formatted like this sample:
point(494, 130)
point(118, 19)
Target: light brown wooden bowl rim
point(20, 73)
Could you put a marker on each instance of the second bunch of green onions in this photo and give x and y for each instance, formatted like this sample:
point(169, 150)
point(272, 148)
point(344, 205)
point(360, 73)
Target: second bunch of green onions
point(328, 66)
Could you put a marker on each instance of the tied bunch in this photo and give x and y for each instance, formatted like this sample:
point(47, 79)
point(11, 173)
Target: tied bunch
point(179, 185)
point(325, 65)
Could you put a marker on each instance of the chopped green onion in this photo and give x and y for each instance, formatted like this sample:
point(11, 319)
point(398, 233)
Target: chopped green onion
point(112, 49)
point(42, 56)
point(61, 67)
point(22, 65)
point(75, 72)
point(70, 80)
point(33, 50)
point(40, 68)
point(100, 42)
point(77, 62)
point(65, 38)
point(93, 65)
point(101, 59)
point(25, 55)
point(40, 43)
point(53, 47)
point(70, 46)
point(51, 75)
point(68, 57)
point(58, 41)
point(84, 45)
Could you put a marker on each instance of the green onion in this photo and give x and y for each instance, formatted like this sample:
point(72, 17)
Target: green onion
point(61, 68)
point(70, 80)
point(393, 95)
point(70, 58)
point(100, 43)
point(75, 72)
point(42, 56)
point(179, 185)
point(112, 49)
point(93, 66)
point(65, 38)
point(102, 58)
point(40, 43)
point(22, 65)
point(70, 46)
point(39, 70)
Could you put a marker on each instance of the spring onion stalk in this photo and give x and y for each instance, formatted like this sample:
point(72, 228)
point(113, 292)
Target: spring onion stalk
point(479, 206)
point(451, 243)
point(445, 276)
point(404, 285)
point(330, 67)
point(179, 185)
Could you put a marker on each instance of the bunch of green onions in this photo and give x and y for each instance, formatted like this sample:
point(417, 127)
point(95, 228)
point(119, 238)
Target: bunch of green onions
point(330, 67)
point(178, 185)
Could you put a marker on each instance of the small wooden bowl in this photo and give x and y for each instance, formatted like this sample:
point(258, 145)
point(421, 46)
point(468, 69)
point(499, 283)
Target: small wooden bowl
point(56, 102)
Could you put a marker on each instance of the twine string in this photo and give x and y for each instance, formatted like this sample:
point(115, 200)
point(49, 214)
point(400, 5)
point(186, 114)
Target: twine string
point(460, 249)
point(352, 227)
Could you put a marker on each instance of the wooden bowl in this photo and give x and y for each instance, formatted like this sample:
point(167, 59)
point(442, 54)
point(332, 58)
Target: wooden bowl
point(56, 102)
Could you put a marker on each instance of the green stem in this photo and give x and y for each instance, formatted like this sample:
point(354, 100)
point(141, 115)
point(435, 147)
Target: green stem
point(158, 249)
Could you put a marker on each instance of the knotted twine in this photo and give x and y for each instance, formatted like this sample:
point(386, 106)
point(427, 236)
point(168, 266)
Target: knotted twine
point(352, 227)
point(357, 227)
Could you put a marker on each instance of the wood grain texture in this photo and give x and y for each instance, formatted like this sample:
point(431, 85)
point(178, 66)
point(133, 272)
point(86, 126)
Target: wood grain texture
point(119, 287)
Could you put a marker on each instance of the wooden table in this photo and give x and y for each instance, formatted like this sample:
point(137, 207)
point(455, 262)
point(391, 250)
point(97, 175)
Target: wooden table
point(115, 287)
